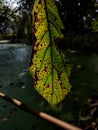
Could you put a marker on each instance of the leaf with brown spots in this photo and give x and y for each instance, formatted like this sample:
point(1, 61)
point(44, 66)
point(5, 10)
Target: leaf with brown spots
point(48, 66)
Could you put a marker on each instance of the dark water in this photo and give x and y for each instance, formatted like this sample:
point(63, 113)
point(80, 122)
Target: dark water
point(14, 61)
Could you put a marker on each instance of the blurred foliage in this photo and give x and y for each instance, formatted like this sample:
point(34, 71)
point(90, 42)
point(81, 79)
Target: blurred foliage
point(78, 16)
point(15, 21)
point(8, 20)
point(87, 42)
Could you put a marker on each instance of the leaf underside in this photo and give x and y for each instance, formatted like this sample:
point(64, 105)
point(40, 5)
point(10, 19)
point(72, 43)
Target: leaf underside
point(48, 66)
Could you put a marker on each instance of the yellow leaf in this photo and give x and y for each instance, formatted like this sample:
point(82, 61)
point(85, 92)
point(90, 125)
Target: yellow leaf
point(48, 66)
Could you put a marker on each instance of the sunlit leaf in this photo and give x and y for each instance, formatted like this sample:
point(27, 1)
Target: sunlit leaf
point(47, 66)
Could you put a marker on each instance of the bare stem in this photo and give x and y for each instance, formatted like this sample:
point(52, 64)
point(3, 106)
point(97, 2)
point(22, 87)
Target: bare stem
point(42, 115)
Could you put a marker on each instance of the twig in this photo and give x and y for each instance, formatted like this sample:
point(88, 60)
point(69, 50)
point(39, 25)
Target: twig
point(92, 125)
point(87, 127)
point(94, 105)
point(42, 115)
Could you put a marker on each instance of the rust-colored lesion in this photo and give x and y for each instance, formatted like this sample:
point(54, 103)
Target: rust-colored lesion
point(36, 77)
point(35, 17)
point(45, 69)
point(59, 75)
point(34, 28)
point(40, 2)
point(47, 86)
point(36, 48)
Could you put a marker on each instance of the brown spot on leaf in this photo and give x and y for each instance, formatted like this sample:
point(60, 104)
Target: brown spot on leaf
point(35, 17)
point(61, 83)
point(59, 75)
point(47, 86)
point(51, 93)
point(36, 45)
point(36, 76)
point(35, 30)
point(45, 69)
point(40, 2)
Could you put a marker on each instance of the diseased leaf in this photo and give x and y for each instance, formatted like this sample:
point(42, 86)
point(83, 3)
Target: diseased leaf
point(47, 66)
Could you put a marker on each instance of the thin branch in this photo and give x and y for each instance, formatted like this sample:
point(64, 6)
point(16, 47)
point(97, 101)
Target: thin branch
point(94, 105)
point(42, 115)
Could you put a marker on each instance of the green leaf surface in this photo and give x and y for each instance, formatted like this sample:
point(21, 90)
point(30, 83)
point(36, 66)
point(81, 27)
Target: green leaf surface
point(48, 66)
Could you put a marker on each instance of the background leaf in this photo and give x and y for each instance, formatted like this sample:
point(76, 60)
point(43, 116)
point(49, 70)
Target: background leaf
point(48, 66)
